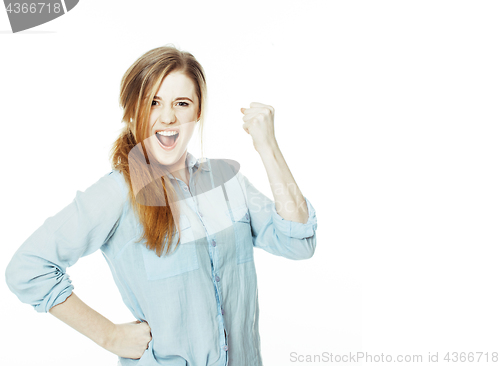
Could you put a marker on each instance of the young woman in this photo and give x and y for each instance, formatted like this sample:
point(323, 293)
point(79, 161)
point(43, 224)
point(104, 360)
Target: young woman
point(177, 232)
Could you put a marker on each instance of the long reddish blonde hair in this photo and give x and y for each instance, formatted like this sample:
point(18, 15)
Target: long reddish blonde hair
point(155, 204)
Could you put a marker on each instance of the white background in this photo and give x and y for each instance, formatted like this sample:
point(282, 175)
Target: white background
point(387, 113)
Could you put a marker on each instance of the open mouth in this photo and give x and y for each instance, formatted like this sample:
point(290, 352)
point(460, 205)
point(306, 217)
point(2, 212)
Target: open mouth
point(167, 140)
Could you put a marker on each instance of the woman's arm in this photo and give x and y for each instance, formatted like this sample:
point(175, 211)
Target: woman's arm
point(84, 319)
point(289, 201)
point(287, 226)
point(128, 340)
point(271, 232)
point(37, 271)
point(259, 123)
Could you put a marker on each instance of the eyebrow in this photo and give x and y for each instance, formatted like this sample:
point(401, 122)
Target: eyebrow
point(157, 97)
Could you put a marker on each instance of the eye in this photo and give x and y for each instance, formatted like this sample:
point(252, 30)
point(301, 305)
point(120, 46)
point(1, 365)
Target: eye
point(154, 101)
point(186, 104)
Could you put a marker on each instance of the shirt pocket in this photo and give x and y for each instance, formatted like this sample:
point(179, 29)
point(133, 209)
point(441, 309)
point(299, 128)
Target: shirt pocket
point(183, 259)
point(242, 233)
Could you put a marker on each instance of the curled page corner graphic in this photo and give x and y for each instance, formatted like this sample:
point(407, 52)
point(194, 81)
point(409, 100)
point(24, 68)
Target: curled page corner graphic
point(29, 14)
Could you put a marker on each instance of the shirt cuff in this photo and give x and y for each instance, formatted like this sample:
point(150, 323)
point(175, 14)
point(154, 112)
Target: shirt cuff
point(58, 295)
point(295, 229)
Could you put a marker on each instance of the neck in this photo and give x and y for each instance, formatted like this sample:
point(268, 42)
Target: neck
point(179, 169)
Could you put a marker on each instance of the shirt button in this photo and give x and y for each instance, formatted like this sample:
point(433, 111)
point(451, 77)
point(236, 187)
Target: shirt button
point(225, 348)
point(185, 188)
point(213, 242)
point(217, 278)
point(222, 311)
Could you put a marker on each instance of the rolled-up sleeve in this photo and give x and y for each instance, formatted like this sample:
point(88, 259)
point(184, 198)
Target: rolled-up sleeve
point(274, 234)
point(36, 274)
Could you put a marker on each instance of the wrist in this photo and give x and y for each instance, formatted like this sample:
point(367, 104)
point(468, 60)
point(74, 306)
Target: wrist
point(108, 337)
point(269, 150)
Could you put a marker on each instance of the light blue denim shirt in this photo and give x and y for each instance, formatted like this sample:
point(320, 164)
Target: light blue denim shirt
point(201, 301)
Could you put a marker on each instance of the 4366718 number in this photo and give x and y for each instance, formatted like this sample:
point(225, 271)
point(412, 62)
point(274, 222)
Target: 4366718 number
point(33, 7)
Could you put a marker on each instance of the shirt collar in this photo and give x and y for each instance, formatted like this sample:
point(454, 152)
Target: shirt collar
point(191, 162)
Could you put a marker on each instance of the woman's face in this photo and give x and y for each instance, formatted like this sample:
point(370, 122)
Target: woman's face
point(175, 107)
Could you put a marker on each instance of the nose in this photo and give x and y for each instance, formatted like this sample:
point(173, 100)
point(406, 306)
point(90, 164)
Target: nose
point(167, 115)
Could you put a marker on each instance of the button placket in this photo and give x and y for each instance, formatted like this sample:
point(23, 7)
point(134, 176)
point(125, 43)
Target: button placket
point(213, 243)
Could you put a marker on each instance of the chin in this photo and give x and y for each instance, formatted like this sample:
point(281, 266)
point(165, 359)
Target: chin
point(168, 158)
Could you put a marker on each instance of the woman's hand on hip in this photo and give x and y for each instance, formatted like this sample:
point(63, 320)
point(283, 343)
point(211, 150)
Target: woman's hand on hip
point(129, 340)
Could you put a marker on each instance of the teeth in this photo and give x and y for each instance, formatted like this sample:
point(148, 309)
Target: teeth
point(168, 133)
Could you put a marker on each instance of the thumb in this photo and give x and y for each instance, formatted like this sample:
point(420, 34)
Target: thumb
point(242, 110)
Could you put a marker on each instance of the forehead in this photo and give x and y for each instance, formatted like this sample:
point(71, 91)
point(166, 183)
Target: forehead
point(176, 83)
